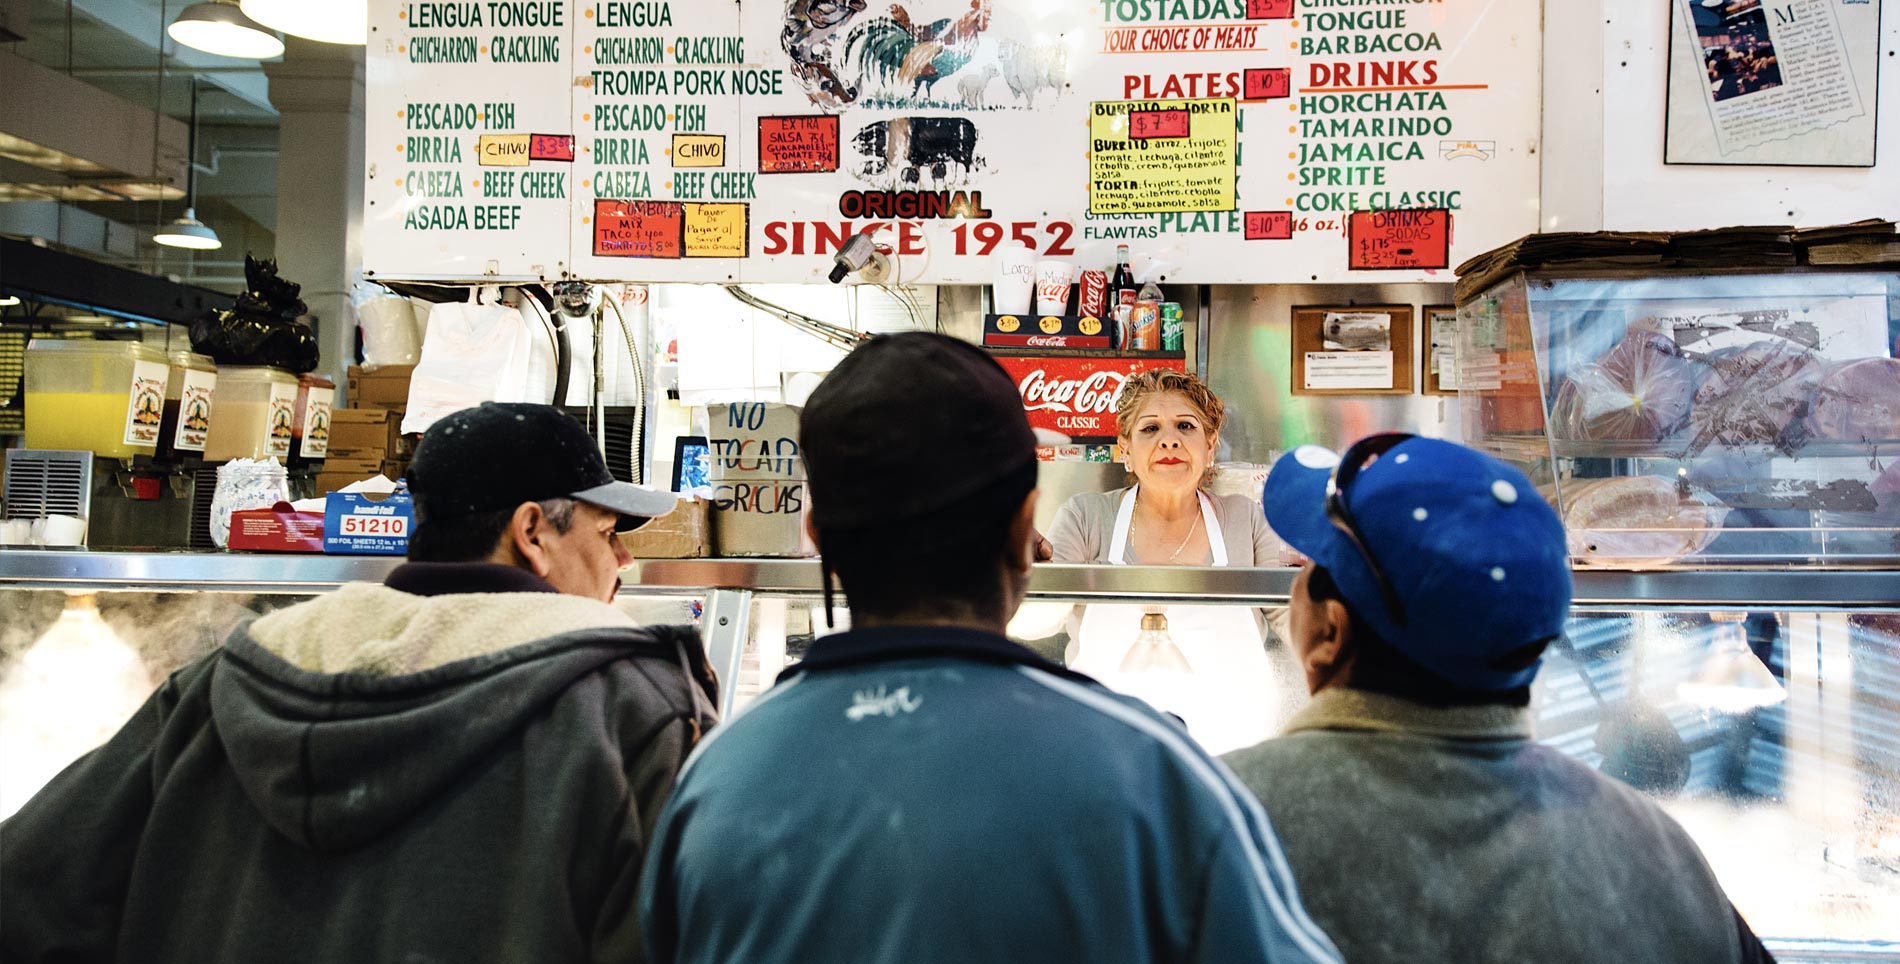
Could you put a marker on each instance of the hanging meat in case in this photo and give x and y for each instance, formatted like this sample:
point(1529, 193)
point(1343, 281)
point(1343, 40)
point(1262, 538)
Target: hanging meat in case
point(1637, 519)
point(1641, 390)
point(1858, 401)
point(1755, 394)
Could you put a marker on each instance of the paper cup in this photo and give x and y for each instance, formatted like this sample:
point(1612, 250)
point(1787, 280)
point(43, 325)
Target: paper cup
point(1053, 279)
point(62, 530)
point(1015, 280)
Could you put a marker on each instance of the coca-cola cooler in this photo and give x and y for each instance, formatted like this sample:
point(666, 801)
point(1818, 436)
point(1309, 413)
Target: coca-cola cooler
point(1073, 395)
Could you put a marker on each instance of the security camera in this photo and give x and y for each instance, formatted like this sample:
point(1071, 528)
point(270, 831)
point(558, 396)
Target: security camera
point(860, 254)
point(576, 299)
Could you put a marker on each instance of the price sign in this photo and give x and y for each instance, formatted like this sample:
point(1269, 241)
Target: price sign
point(1411, 238)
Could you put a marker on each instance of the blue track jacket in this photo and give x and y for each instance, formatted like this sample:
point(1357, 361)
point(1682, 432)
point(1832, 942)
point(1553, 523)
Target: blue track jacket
point(911, 795)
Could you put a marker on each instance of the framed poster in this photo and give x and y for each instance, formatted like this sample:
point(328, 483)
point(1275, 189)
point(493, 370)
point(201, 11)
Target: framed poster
point(1352, 350)
point(1777, 82)
point(1438, 363)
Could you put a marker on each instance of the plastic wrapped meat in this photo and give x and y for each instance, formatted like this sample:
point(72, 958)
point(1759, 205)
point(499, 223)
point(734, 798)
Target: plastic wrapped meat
point(1859, 401)
point(1758, 394)
point(1639, 519)
point(1640, 390)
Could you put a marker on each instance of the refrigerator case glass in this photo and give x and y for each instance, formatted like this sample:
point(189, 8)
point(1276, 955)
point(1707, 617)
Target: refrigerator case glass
point(1731, 419)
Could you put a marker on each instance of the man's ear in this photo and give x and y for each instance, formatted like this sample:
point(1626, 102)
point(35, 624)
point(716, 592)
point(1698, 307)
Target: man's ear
point(526, 528)
point(1022, 534)
point(1330, 653)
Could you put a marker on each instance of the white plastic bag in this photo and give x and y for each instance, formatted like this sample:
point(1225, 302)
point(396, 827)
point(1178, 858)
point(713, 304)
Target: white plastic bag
point(473, 353)
point(388, 325)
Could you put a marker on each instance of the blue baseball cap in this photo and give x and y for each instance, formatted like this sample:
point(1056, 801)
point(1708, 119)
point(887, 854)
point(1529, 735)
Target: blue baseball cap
point(1475, 559)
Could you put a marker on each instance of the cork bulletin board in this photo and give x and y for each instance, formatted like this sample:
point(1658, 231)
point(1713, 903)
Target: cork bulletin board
point(1352, 350)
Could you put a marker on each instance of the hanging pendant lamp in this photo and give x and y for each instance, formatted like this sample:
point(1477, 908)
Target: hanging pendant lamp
point(330, 21)
point(188, 231)
point(219, 27)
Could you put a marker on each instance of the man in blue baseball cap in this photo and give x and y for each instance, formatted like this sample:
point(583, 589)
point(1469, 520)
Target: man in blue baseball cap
point(1426, 823)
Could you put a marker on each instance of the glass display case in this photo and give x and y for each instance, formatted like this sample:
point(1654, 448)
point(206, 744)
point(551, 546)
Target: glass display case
point(1761, 708)
point(1732, 418)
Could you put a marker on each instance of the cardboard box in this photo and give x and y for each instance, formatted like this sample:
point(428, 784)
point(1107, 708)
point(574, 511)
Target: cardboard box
point(276, 529)
point(754, 441)
point(385, 386)
point(683, 533)
point(365, 430)
point(367, 525)
point(763, 517)
point(360, 466)
point(328, 482)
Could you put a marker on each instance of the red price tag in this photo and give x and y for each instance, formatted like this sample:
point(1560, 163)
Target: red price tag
point(795, 145)
point(1409, 238)
point(550, 147)
point(1266, 83)
point(1143, 124)
point(639, 229)
point(1269, 225)
point(1269, 9)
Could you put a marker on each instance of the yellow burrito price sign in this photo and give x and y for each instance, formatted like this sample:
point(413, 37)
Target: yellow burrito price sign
point(1155, 156)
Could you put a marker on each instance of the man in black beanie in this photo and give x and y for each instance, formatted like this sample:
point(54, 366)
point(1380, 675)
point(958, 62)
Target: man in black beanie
point(920, 788)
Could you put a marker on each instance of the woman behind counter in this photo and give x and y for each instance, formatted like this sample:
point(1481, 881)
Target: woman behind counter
point(1169, 426)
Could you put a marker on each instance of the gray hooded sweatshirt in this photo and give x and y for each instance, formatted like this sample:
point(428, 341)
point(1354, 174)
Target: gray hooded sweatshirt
point(370, 776)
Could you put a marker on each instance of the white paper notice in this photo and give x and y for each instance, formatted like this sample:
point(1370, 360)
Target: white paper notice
point(1445, 363)
point(1348, 369)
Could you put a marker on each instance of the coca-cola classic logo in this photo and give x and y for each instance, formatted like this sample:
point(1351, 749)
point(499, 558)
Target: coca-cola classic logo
point(1093, 394)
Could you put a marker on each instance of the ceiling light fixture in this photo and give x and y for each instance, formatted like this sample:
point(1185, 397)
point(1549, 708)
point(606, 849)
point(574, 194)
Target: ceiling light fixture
point(219, 27)
point(188, 231)
point(8, 301)
point(330, 21)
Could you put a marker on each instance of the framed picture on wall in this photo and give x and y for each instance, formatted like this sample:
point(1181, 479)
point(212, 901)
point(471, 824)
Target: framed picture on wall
point(1352, 350)
point(1772, 82)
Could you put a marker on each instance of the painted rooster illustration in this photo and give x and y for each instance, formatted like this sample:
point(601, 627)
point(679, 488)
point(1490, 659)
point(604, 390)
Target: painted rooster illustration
point(910, 57)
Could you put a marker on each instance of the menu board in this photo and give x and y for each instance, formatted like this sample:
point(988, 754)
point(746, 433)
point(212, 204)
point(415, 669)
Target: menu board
point(1224, 141)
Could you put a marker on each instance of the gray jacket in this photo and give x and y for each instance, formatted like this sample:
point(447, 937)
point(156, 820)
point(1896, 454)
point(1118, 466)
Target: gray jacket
point(1425, 834)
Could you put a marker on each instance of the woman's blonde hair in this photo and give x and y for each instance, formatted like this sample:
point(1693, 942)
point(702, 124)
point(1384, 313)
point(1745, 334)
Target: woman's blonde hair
point(1140, 388)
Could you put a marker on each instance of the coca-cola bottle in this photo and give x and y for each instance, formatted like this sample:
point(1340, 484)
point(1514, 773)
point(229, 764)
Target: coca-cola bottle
point(1121, 297)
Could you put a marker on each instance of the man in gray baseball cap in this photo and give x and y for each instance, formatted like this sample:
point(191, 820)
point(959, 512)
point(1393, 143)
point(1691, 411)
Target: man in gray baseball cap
point(463, 763)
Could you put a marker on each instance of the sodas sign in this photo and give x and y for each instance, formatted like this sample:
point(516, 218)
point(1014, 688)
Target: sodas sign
point(1076, 396)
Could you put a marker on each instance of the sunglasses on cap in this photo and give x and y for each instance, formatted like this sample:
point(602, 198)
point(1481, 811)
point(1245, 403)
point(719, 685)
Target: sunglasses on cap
point(1363, 453)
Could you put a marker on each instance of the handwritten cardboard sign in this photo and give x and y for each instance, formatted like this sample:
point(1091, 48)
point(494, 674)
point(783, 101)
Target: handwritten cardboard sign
point(798, 145)
point(1143, 124)
point(639, 229)
point(716, 230)
point(1266, 83)
point(1387, 240)
point(1268, 225)
point(752, 441)
point(551, 147)
point(1269, 9)
point(699, 150)
point(1133, 169)
point(502, 150)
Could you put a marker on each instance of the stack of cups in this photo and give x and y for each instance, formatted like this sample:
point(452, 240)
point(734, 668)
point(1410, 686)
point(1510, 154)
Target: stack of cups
point(1053, 281)
point(1015, 280)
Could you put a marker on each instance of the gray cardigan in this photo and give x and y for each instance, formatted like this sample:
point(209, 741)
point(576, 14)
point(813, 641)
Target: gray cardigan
point(1084, 529)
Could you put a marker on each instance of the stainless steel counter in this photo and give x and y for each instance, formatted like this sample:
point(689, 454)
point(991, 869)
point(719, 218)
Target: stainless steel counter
point(237, 572)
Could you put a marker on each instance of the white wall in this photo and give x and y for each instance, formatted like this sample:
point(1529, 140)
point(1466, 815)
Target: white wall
point(1640, 192)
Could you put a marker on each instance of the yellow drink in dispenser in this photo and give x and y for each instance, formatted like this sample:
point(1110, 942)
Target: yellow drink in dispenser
point(107, 397)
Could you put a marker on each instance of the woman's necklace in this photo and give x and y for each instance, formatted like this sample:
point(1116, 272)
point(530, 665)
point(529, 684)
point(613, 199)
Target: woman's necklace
point(1184, 539)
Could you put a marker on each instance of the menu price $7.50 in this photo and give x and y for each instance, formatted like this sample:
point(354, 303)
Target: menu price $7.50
point(394, 526)
point(989, 234)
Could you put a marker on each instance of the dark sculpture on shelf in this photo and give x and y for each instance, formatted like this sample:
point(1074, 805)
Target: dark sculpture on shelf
point(264, 328)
